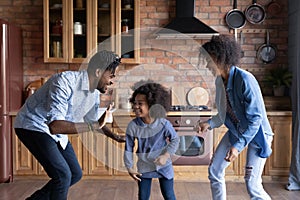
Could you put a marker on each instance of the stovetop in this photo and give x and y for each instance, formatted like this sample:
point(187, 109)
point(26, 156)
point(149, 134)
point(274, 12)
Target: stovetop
point(189, 108)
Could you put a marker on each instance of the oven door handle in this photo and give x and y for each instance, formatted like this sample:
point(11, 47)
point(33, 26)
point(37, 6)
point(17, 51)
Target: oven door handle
point(190, 128)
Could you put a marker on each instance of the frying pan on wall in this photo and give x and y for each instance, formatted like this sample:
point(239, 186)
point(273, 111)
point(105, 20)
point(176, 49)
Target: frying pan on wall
point(235, 18)
point(255, 13)
point(267, 52)
point(274, 8)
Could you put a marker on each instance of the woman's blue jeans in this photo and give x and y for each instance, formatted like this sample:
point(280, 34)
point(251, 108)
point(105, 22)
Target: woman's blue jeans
point(253, 171)
point(60, 165)
point(166, 187)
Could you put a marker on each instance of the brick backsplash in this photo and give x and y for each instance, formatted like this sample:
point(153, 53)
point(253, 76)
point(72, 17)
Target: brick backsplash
point(166, 61)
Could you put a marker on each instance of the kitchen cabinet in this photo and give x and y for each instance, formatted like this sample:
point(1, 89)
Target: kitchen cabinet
point(236, 167)
point(119, 126)
point(279, 162)
point(100, 156)
point(23, 161)
point(75, 30)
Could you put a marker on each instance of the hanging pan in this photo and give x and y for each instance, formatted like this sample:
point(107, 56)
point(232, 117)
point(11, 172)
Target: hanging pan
point(267, 52)
point(235, 18)
point(255, 13)
point(273, 8)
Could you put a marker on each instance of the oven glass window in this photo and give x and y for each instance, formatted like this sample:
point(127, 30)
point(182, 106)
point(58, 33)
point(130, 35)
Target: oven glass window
point(190, 145)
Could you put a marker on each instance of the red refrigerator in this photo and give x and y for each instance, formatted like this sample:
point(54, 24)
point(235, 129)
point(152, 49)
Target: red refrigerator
point(11, 90)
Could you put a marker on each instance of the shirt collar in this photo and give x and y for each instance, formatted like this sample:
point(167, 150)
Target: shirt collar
point(142, 124)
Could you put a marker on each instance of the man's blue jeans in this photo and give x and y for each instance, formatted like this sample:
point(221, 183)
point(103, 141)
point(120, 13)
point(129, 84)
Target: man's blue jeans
point(166, 187)
point(61, 165)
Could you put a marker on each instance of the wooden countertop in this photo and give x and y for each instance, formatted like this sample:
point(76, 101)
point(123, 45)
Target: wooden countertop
point(124, 112)
point(13, 113)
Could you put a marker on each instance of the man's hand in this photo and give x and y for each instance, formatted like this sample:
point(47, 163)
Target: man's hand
point(104, 116)
point(135, 175)
point(120, 138)
point(232, 154)
point(106, 131)
point(162, 159)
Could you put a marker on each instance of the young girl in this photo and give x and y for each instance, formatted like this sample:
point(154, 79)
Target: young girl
point(156, 140)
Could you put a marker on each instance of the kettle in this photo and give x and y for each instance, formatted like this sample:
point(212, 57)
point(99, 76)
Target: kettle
point(30, 91)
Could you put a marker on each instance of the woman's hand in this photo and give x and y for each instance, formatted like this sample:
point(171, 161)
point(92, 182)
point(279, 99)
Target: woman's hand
point(232, 154)
point(135, 175)
point(162, 159)
point(201, 127)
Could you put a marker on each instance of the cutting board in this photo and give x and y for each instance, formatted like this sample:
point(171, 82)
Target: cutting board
point(197, 96)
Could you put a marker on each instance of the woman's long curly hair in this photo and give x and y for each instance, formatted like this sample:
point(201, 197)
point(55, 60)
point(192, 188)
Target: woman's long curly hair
point(224, 50)
point(158, 97)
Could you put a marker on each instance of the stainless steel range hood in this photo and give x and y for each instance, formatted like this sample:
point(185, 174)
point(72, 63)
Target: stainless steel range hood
point(185, 25)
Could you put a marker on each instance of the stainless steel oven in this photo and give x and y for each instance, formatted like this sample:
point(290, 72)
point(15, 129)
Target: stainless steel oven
point(194, 148)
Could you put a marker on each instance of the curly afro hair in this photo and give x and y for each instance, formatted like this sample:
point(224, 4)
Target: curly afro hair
point(223, 49)
point(158, 97)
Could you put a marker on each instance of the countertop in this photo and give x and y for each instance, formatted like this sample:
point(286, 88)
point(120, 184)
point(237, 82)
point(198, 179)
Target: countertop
point(124, 112)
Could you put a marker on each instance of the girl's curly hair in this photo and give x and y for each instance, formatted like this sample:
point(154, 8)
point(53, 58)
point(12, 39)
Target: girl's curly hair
point(158, 97)
point(223, 49)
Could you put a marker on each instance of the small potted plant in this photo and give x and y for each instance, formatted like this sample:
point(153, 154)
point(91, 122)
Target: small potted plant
point(280, 78)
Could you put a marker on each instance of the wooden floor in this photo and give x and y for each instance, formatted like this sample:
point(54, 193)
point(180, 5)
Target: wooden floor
point(127, 190)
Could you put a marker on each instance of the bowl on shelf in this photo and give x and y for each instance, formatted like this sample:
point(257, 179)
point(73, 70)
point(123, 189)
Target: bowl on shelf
point(105, 5)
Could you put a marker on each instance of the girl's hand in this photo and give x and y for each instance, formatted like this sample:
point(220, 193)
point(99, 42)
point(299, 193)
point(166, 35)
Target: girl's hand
point(162, 159)
point(135, 175)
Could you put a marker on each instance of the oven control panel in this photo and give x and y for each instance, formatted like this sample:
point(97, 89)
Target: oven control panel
point(185, 121)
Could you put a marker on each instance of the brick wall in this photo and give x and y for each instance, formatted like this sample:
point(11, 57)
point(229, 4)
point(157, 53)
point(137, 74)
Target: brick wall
point(168, 61)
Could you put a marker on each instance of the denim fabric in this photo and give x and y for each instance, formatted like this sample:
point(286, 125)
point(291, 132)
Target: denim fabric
point(166, 187)
point(253, 171)
point(247, 103)
point(60, 165)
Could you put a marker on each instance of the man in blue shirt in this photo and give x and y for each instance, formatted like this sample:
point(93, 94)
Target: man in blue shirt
point(68, 103)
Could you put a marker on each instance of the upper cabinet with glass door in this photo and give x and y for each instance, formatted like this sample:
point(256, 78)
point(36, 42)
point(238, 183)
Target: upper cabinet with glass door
point(127, 28)
point(66, 30)
point(55, 29)
point(80, 19)
point(104, 25)
point(75, 29)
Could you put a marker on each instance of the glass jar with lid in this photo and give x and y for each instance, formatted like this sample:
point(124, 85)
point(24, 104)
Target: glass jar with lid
point(77, 28)
point(125, 25)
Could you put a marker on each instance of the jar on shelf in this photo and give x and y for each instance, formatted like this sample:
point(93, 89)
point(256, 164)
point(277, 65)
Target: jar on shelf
point(57, 28)
point(125, 26)
point(127, 4)
point(57, 49)
point(77, 28)
point(79, 4)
